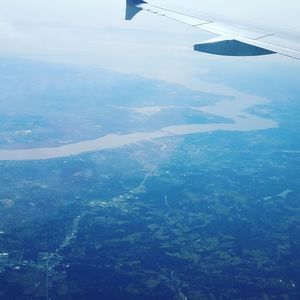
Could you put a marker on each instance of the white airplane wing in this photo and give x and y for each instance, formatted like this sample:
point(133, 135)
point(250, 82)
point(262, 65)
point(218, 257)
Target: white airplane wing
point(233, 39)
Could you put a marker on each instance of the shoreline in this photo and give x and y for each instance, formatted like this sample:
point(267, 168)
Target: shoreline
point(243, 122)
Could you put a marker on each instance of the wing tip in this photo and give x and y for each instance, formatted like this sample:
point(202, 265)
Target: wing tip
point(132, 8)
point(135, 2)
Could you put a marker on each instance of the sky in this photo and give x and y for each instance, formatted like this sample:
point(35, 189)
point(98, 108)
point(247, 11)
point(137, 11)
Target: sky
point(35, 21)
point(87, 12)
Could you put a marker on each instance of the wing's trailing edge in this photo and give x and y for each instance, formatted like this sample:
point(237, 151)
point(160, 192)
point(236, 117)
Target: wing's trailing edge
point(234, 39)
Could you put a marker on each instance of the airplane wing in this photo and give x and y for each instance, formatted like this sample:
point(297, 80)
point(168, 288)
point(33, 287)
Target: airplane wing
point(233, 39)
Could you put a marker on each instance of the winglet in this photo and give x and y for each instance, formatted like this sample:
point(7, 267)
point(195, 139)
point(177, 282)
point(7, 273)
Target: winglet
point(132, 8)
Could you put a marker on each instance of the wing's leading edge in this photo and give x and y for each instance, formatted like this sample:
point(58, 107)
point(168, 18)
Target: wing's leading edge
point(234, 40)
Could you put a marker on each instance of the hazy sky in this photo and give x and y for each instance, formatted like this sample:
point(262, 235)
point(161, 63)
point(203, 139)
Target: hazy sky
point(19, 16)
point(89, 12)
